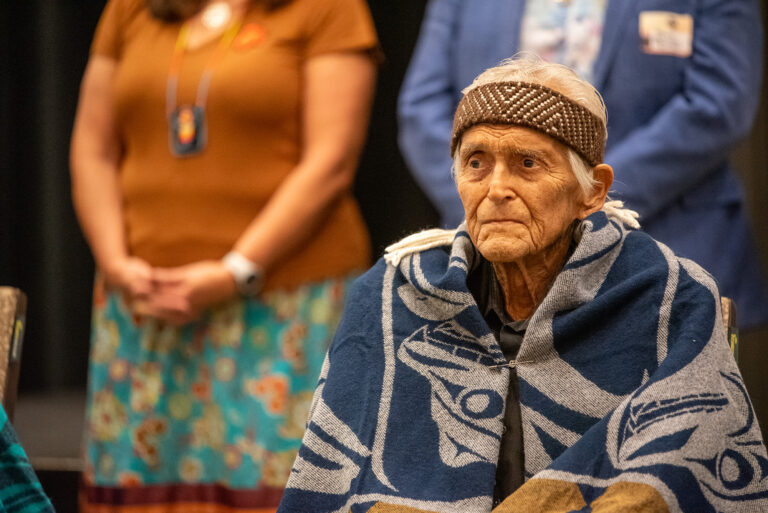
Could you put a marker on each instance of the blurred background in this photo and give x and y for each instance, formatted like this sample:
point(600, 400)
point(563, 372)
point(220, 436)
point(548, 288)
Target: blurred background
point(43, 51)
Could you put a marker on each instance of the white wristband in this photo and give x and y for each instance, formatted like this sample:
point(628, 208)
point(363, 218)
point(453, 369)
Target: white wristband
point(248, 276)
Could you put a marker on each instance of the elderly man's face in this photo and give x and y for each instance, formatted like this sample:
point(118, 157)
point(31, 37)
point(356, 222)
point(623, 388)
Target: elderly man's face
point(518, 190)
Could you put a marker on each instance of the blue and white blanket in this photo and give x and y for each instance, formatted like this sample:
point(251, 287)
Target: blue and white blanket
point(629, 395)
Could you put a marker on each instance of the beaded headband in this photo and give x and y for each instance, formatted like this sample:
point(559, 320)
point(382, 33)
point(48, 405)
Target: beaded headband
point(532, 106)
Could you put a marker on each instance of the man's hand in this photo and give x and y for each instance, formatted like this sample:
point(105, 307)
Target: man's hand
point(181, 294)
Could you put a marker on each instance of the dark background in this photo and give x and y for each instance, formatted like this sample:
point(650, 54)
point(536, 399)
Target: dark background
point(43, 51)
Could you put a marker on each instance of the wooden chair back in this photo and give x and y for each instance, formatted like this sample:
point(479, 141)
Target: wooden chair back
point(729, 321)
point(13, 310)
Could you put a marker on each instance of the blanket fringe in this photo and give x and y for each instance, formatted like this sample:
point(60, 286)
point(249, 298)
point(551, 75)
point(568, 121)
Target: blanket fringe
point(417, 242)
point(615, 209)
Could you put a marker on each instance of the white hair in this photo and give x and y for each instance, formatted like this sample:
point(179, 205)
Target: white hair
point(534, 70)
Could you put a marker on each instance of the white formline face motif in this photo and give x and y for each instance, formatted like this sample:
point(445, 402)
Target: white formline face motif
point(464, 403)
point(337, 478)
point(649, 429)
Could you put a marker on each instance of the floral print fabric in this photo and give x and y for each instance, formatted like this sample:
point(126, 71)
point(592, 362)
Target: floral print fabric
point(223, 400)
point(568, 32)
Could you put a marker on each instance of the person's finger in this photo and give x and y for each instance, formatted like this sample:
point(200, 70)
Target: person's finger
point(162, 288)
point(141, 307)
point(166, 315)
point(171, 291)
point(140, 287)
point(172, 314)
point(141, 269)
point(169, 273)
point(169, 281)
point(171, 303)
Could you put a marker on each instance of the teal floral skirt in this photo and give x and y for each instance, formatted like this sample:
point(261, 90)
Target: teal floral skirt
point(209, 412)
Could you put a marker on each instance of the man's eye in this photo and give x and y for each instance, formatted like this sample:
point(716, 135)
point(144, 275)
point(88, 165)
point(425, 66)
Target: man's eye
point(528, 162)
point(474, 164)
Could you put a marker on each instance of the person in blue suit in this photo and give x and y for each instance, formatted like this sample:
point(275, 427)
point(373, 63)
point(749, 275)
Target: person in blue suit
point(681, 79)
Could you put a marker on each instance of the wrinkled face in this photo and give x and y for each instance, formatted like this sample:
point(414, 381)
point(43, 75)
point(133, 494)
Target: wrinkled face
point(519, 193)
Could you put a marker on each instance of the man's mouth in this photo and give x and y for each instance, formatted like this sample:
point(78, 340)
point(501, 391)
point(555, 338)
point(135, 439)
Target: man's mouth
point(500, 221)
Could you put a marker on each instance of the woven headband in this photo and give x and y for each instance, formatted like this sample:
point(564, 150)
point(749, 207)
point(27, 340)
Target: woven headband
point(532, 106)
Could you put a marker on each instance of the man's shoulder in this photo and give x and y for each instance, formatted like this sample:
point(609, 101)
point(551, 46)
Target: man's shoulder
point(649, 253)
point(421, 242)
point(634, 255)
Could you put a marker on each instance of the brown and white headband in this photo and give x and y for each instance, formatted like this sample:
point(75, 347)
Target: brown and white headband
point(532, 106)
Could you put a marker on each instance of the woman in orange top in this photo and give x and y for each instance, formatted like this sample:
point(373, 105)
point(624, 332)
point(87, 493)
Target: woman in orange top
point(214, 149)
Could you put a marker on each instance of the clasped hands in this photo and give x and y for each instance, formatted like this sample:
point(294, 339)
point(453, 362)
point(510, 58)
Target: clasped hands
point(176, 295)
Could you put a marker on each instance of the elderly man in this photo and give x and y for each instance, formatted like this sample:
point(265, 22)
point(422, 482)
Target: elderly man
point(544, 356)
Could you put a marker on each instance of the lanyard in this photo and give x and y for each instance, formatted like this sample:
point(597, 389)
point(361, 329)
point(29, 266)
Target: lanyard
point(205, 79)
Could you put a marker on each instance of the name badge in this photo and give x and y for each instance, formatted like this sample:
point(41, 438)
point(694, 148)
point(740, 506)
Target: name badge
point(666, 33)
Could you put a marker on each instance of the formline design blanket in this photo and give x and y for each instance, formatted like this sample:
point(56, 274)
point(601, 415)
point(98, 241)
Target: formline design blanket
point(630, 398)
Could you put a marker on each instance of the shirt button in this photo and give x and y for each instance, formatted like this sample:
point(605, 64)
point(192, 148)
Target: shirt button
point(503, 429)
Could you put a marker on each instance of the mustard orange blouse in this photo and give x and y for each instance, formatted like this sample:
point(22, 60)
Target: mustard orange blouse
point(181, 210)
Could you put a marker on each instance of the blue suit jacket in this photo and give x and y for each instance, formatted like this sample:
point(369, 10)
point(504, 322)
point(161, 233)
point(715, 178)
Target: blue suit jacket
point(671, 121)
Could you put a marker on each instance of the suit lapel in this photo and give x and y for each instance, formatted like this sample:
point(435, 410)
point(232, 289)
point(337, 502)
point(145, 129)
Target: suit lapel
point(618, 16)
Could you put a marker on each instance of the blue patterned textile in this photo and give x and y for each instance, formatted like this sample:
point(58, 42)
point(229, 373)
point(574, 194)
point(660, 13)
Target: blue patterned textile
point(20, 491)
point(629, 394)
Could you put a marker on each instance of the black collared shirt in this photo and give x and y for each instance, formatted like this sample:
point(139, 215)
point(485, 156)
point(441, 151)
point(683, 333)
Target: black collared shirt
point(485, 288)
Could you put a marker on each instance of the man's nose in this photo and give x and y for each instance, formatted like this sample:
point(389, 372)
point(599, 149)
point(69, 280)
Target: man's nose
point(500, 188)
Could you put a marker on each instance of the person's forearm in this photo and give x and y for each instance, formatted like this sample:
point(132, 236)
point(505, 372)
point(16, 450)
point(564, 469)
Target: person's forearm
point(94, 156)
point(295, 211)
point(97, 200)
point(338, 91)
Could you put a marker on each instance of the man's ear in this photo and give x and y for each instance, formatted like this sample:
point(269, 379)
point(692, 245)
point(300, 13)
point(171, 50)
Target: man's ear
point(594, 201)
